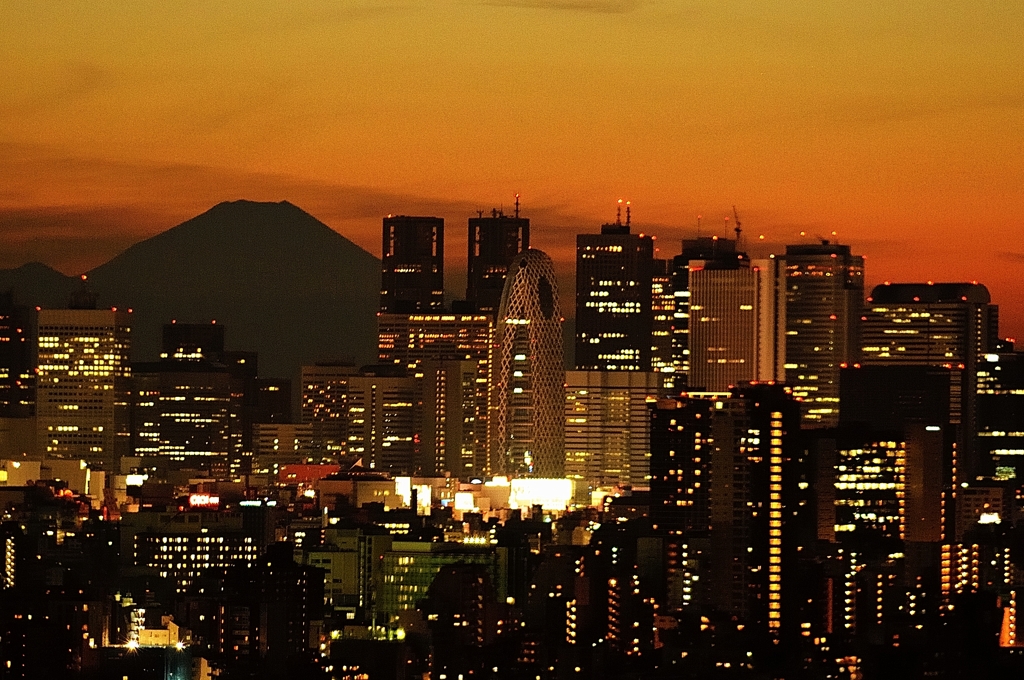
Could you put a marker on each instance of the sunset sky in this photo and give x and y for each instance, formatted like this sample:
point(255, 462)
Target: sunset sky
point(899, 125)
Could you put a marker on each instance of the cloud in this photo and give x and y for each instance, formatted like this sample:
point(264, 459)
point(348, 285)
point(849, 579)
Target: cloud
point(591, 6)
point(1012, 257)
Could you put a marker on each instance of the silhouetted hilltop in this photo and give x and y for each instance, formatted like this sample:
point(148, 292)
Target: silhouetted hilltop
point(36, 284)
point(282, 282)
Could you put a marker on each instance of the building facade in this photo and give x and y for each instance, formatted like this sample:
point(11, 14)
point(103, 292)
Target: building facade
point(412, 264)
point(493, 242)
point(824, 298)
point(736, 325)
point(614, 320)
point(607, 427)
point(526, 406)
point(83, 384)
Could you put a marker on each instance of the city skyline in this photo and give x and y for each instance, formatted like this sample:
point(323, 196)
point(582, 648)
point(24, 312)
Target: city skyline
point(892, 126)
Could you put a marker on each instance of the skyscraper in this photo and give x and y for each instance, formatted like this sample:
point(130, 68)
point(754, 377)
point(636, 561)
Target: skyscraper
point(17, 374)
point(607, 427)
point(614, 321)
point(824, 297)
point(663, 307)
point(412, 264)
point(526, 414)
point(737, 325)
point(723, 489)
point(182, 413)
point(493, 242)
point(712, 252)
point(384, 418)
point(445, 341)
point(324, 404)
point(82, 401)
point(950, 325)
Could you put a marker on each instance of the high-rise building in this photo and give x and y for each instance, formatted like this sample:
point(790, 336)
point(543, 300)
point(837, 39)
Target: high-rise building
point(1000, 439)
point(921, 406)
point(384, 418)
point(663, 308)
point(273, 400)
point(452, 434)
point(192, 342)
point(84, 370)
point(526, 417)
point(493, 242)
point(614, 321)
point(951, 325)
point(17, 370)
point(723, 489)
point(324, 405)
point(412, 274)
point(712, 253)
point(737, 324)
point(182, 413)
point(444, 341)
point(607, 427)
point(824, 297)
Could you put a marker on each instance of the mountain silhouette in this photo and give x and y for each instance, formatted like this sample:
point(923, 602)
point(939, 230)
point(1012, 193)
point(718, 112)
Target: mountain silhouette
point(282, 283)
point(36, 284)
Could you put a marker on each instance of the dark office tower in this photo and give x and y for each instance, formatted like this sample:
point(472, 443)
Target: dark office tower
point(723, 488)
point(680, 467)
point(192, 342)
point(713, 253)
point(1001, 414)
point(412, 274)
point(272, 611)
point(181, 414)
point(950, 325)
point(493, 242)
point(663, 307)
point(922, 406)
point(614, 322)
point(17, 370)
point(273, 400)
point(824, 297)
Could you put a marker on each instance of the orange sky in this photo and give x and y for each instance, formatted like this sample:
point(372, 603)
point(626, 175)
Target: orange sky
point(899, 125)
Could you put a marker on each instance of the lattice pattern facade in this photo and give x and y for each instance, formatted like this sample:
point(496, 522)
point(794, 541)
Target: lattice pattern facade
point(527, 391)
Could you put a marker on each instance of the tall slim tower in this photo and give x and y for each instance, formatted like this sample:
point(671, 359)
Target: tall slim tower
point(824, 297)
point(82, 401)
point(712, 253)
point(412, 265)
point(526, 414)
point(614, 321)
point(493, 242)
point(17, 374)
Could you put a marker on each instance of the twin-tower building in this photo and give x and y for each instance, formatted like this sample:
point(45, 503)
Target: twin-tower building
point(503, 345)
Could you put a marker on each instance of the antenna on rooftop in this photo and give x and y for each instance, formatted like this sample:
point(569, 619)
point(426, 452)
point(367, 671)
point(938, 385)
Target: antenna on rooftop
point(739, 226)
point(627, 213)
point(618, 214)
point(517, 206)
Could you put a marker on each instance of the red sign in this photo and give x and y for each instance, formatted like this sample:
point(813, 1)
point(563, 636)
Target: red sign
point(203, 500)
